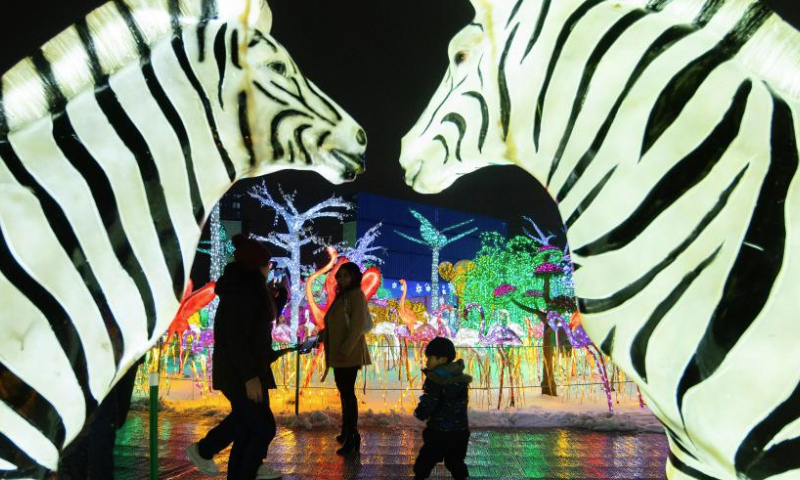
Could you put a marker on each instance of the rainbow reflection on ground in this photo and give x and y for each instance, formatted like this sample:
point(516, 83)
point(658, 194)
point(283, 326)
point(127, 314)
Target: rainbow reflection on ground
point(389, 453)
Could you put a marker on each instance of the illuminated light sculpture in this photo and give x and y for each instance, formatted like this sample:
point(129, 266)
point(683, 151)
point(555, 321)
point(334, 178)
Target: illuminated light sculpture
point(298, 235)
point(501, 335)
point(221, 252)
point(423, 333)
point(362, 253)
point(117, 138)
point(666, 131)
point(316, 311)
point(407, 316)
point(388, 331)
point(192, 303)
point(579, 339)
point(538, 236)
point(436, 240)
point(470, 337)
point(503, 269)
point(281, 332)
point(460, 269)
point(446, 328)
point(370, 282)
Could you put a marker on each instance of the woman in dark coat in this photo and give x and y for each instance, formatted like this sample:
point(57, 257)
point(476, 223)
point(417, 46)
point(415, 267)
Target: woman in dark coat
point(242, 357)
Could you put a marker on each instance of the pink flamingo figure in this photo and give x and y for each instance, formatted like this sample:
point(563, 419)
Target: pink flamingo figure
point(388, 331)
point(418, 333)
point(281, 333)
point(184, 355)
point(423, 333)
point(406, 315)
point(538, 331)
point(500, 335)
point(581, 340)
point(402, 333)
point(444, 328)
point(469, 337)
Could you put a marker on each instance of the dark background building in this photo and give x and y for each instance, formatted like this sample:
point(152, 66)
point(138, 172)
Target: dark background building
point(404, 258)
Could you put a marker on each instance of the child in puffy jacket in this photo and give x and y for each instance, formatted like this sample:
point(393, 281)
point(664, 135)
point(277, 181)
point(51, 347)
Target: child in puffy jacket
point(444, 406)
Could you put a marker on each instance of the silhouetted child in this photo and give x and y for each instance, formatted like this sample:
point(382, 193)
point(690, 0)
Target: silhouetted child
point(444, 405)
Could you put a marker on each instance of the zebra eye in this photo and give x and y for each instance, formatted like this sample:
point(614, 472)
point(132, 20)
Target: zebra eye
point(278, 67)
point(460, 58)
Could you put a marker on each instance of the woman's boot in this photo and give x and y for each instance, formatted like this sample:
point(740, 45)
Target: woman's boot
point(352, 443)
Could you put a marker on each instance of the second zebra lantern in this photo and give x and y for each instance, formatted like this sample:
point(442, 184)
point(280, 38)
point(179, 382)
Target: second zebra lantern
point(666, 132)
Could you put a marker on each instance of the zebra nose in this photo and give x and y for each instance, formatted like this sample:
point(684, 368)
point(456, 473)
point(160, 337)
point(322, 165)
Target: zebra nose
point(362, 162)
point(361, 137)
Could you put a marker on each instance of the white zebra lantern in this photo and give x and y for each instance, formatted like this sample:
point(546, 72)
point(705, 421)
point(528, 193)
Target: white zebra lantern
point(666, 131)
point(116, 138)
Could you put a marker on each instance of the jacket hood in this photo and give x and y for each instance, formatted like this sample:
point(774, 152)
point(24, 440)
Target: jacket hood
point(449, 373)
point(238, 279)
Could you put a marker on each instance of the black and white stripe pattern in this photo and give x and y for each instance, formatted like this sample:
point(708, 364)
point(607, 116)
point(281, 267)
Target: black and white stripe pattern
point(111, 160)
point(667, 132)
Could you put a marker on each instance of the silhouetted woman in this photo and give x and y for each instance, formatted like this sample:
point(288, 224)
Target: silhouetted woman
point(346, 350)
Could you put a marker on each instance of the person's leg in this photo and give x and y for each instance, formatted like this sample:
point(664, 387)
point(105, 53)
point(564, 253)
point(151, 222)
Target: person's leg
point(430, 454)
point(217, 439)
point(238, 425)
point(456, 453)
point(339, 375)
point(346, 383)
point(352, 399)
point(261, 432)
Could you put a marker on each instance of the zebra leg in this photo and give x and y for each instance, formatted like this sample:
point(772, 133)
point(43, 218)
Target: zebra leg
point(678, 469)
point(16, 464)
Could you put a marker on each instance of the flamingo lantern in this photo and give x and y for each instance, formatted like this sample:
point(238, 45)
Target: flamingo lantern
point(192, 303)
point(444, 327)
point(500, 335)
point(316, 311)
point(370, 282)
point(469, 337)
point(281, 333)
point(417, 333)
point(407, 316)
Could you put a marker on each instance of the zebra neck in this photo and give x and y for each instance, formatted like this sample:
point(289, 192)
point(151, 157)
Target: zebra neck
point(600, 109)
point(176, 90)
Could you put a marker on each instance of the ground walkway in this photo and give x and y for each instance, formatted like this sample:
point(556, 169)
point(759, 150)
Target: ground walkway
point(389, 452)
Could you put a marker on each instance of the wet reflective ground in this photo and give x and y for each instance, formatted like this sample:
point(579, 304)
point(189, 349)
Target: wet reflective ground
point(389, 453)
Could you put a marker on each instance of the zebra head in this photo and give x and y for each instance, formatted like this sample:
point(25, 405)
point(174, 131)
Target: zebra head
point(283, 120)
point(465, 125)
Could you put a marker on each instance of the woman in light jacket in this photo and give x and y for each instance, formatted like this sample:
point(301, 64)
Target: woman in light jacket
point(346, 350)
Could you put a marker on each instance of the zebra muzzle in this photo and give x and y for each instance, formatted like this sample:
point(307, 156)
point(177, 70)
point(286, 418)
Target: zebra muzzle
point(353, 163)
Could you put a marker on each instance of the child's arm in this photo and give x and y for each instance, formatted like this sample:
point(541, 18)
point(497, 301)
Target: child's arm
point(429, 401)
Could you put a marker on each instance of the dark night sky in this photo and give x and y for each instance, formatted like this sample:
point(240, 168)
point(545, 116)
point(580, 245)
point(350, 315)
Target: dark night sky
point(381, 60)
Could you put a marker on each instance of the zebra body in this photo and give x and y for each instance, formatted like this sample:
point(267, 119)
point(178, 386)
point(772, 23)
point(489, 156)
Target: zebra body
point(666, 131)
point(117, 138)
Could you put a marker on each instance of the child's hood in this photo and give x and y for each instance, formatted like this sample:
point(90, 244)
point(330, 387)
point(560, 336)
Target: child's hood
point(449, 373)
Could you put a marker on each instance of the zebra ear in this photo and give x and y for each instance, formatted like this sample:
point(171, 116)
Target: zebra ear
point(258, 13)
point(264, 22)
point(482, 8)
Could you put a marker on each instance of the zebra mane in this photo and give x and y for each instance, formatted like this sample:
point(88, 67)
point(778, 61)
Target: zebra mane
point(772, 54)
point(24, 95)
